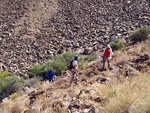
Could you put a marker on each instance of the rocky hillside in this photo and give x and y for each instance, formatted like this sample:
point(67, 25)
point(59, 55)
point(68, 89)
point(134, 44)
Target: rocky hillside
point(90, 95)
point(32, 31)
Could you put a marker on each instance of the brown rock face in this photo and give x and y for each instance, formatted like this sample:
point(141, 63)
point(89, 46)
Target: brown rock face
point(34, 31)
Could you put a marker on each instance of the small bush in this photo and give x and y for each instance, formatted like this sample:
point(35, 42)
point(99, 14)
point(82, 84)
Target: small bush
point(9, 84)
point(58, 66)
point(140, 35)
point(92, 57)
point(116, 45)
point(61, 62)
point(36, 71)
point(15, 95)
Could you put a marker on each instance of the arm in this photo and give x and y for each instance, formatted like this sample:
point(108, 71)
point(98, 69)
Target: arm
point(111, 52)
point(103, 52)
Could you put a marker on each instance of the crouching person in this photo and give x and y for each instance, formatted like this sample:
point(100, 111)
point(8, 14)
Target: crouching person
point(43, 77)
point(51, 75)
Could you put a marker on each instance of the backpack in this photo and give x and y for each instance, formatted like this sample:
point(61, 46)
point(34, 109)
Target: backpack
point(71, 65)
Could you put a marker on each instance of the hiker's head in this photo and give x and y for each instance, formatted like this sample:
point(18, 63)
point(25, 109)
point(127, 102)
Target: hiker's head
point(51, 69)
point(108, 46)
point(76, 57)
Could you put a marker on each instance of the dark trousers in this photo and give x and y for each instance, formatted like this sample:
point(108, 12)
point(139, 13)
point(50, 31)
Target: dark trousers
point(104, 60)
point(51, 79)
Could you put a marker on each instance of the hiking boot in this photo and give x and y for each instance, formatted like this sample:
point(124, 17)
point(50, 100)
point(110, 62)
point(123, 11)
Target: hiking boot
point(110, 68)
point(102, 69)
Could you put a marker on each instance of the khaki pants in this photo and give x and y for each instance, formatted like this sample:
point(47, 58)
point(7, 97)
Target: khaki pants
point(104, 60)
point(73, 77)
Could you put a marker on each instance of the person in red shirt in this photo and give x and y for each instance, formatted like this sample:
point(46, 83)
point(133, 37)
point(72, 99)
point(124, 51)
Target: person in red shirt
point(107, 55)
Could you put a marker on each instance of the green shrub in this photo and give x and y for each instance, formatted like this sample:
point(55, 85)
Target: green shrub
point(36, 71)
point(92, 57)
point(15, 95)
point(4, 74)
point(9, 85)
point(65, 57)
point(116, 45)
point(60, 64)
point(140, 35)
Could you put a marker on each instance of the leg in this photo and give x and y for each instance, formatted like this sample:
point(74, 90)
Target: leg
point(104, 59)
point(49, 80)
point(72, 77)
point(52, 80)
point(75, 79)
point(108, 62)
point(109, 66)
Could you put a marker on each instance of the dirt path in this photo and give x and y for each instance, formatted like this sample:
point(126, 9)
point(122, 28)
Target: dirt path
point(33, 20)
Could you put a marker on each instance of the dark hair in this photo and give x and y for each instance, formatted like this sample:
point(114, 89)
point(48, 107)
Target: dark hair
point(76, 57)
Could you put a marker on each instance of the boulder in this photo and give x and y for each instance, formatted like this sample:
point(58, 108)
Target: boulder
point(88, 51)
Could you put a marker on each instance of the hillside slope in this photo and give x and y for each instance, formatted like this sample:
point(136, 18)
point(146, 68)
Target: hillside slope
point(34, 31)
point(93, 86)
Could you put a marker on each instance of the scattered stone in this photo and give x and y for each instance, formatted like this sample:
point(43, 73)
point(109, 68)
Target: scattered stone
point(98, 99)
point(128, 2)
point(93, 109)
point(113, 38)
point(91, 74)
point(101, 80)
point(2, 67)
point(88, 51)
point(86, 110)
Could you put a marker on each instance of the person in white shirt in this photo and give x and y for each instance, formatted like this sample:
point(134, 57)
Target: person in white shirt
point(74, 70)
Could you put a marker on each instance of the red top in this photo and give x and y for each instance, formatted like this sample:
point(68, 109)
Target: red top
point(107, 52)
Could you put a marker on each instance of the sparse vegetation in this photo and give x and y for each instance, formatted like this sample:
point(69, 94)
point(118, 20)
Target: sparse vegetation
point(33, 31)
point(131, 96)
point(17, 105)
point(140, 35)
point(60, 64)
point(31, 82)
point(92, 57)
point(9, 84)
point(116, 45)
point(36, 70)
point(15, 95)
point(4, 74)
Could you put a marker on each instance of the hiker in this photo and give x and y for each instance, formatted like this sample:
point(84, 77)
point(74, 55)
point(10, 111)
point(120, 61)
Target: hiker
point(74, 70)
point(107, 55)
point(51, 75)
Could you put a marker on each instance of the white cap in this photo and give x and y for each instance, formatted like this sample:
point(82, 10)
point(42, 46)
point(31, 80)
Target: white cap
point(108, 46)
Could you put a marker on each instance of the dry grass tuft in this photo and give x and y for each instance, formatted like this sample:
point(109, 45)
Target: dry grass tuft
point(18, 105)
point(140, 48)
point(131, 96)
